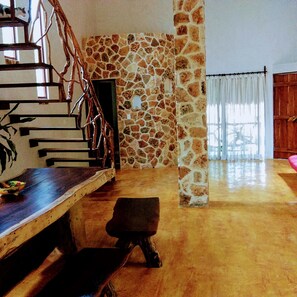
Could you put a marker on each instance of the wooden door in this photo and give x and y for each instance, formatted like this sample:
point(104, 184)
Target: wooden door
point(285, 111)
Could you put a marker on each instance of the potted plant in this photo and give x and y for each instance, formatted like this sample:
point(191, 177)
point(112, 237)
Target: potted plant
point(8, 152)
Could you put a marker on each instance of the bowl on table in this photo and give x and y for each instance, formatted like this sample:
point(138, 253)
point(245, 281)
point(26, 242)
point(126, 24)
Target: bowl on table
point(12, 187)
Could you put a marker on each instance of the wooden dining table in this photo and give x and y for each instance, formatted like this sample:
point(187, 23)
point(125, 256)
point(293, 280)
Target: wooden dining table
point(52, 197)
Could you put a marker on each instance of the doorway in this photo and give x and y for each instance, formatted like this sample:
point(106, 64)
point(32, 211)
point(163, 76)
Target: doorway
point(106, 94)
point(285, 114)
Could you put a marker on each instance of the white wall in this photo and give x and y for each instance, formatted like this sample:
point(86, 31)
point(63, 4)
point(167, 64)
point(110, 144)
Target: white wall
point(97, 17)
point(134, 16)
point(80, 15)
point(245, 35)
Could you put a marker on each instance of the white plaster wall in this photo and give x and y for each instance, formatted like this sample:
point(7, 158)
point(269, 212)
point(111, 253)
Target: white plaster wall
point(245, 35)
point(97, 17)
point(134, 16)
point(81, 15)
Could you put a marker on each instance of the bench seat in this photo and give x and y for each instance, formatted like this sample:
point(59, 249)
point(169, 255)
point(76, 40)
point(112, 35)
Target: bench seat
point(87, 273)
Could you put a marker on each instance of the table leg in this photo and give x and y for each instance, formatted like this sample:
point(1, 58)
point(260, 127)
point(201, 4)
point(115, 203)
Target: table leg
point(77, 224)
point(70, 230)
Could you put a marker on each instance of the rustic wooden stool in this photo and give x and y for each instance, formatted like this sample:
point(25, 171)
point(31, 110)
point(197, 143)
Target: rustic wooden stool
point(134, 222)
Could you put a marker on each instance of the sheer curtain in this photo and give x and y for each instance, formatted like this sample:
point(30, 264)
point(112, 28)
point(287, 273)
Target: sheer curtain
point(235, 115)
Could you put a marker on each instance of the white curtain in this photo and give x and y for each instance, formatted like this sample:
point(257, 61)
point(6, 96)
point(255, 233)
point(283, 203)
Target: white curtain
point(235, 115)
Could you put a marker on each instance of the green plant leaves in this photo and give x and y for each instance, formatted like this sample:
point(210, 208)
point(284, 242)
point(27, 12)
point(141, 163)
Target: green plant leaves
point(8, 152)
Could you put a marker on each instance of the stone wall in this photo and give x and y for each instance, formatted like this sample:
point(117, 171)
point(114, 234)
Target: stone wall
point(191, 102)
point(143, 67)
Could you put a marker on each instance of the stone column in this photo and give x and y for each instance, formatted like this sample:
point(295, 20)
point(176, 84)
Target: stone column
point(191, 102)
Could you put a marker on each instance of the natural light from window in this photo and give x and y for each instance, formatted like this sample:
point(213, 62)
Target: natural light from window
point(11, 35)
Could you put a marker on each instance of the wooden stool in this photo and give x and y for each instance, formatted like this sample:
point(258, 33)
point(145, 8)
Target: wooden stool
point(134, 222)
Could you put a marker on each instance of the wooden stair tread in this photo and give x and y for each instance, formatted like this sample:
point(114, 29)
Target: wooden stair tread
point(5, 103)
point(12, 22)
point(40, 101)
point(44, 151)
point(61, 150)
point(18, 46)
point(25, 66)
point(34, 141)
point(59, 140)
point(16, 117)
point(26, 130)
point(44, 115)
point(61, 159)
point(50, 128)
point(28, 85)
point(92, 161)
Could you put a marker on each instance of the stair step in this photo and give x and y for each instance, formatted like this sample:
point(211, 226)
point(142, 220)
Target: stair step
point(25, 66)
point(40, 101)
point(34, 141)
point(16, 117)
point(5, 103)
point(18, 46)
point(29, 85)
point(10, 22)
point(93, 162)
point(26, 130)
point(44, 151)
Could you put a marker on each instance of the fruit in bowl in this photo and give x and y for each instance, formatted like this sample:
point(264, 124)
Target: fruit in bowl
point(12, 187)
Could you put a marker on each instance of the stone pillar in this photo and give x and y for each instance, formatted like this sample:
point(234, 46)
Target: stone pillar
point(191, 102)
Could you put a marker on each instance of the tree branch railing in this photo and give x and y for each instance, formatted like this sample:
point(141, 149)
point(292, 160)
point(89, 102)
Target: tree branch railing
point(74, 73)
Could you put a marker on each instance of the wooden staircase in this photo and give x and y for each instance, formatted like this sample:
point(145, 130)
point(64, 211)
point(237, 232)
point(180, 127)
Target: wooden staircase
point(64, 148)
point(48, 145)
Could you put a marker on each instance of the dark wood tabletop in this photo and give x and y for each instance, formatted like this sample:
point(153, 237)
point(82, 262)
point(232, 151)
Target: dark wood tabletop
point(43, 192)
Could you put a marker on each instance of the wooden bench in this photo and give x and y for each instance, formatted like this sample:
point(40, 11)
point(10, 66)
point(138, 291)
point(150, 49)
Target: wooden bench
point(134, 222)
point(26, 258)
point(87, 273)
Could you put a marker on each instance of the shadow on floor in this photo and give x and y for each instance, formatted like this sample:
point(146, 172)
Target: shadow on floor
point(291, 180)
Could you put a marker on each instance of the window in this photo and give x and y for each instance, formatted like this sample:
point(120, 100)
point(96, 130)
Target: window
point(9, 35)
point(13, 35)
point(235, 115)
point(38, 31)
